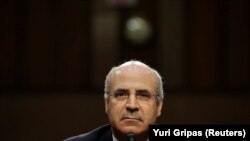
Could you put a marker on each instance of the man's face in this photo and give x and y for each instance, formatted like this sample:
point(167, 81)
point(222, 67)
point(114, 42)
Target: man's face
point(128, 107)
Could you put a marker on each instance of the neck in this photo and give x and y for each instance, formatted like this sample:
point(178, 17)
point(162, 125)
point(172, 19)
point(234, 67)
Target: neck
point(124, 137)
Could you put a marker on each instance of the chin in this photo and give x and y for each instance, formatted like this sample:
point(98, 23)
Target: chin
point(134, 129)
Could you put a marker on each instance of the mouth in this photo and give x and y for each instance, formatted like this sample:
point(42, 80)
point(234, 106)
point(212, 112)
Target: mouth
point(131, 119)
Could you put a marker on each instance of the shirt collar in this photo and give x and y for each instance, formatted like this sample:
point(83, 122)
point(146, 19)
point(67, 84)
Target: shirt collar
point(115, 139)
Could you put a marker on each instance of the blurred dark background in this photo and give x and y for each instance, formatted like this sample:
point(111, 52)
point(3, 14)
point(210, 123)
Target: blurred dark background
point(55, 54)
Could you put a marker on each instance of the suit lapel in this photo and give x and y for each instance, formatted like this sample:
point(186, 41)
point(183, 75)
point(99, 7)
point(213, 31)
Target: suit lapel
point(107, 136)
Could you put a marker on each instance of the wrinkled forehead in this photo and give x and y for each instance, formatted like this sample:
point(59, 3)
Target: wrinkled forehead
point(133, 70)
point(133, 76)
point(135, 67)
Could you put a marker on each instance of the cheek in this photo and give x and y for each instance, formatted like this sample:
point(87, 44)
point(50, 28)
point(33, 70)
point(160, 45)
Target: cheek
point(150, 114)
point(114, 111)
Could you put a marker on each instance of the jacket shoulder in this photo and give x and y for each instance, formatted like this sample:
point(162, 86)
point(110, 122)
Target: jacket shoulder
point(94, 135)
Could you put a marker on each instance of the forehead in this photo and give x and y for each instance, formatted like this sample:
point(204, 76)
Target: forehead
point(134, 77)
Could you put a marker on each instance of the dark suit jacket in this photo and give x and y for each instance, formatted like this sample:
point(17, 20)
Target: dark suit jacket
point(100, 134)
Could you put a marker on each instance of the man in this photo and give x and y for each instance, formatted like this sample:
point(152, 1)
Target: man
point(133, 100)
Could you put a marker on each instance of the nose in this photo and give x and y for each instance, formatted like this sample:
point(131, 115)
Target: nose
point(132, 104)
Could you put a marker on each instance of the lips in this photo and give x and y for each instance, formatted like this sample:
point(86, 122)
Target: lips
point(131, 118)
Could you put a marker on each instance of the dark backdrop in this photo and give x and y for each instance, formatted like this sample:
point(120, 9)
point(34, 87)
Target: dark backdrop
point(54, 55)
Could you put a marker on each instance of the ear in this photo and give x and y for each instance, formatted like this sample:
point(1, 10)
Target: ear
point(106, 105)
point(159, 108)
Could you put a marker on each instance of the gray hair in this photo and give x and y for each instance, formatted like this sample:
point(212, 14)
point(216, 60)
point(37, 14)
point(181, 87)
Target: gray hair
point(159, 91)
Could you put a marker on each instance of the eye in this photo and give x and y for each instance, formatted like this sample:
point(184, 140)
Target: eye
point(120, 94)
point(143, 94)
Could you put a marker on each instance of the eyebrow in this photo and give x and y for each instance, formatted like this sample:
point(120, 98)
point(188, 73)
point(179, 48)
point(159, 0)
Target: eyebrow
point(121, 90)
point(126, 90)
point(143, 90)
